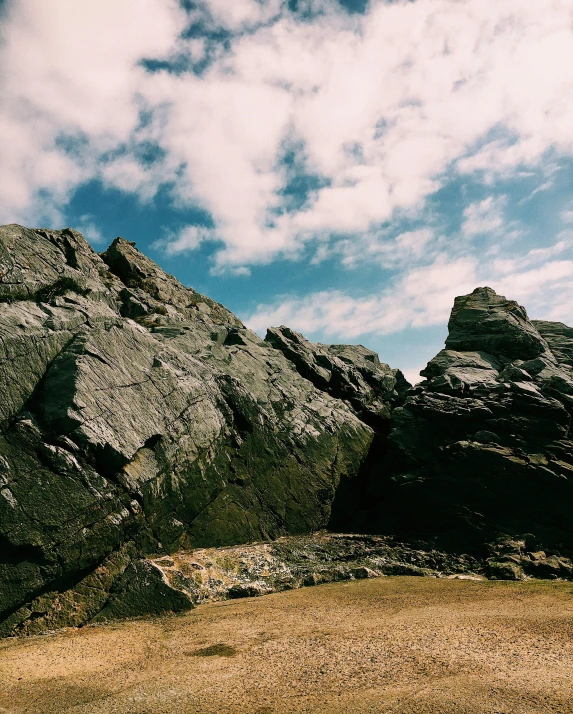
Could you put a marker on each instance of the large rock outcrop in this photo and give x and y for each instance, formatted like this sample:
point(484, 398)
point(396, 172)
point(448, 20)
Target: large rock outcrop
point(480, 455)
point(140, 419)
point(136, 416)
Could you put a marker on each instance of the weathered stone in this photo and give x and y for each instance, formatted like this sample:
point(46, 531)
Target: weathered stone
point(71, 607)
point(539, 565)
point(142, 590)
point(135, 409)
point(206, 575)
point(140, 419)
point(486, 322)
point(42, 265)
point(481, 449)
point(348, 372)
point(250, 590)
point(559, 337)
point(505, 570)
point(363, 572)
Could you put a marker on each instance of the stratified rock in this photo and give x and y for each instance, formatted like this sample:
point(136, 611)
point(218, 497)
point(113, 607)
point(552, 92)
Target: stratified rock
point(140, 419)
point(42, 265)
point(348, 372)
point(559, 337)
point(73, 607)
point(133, 409)
point(486, 322)
point(482, 449)
point(372, 389)
point(142, 590)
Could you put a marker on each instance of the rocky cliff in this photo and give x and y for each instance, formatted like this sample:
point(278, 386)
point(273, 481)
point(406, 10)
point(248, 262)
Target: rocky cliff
point(479, 457)
point(139, 418)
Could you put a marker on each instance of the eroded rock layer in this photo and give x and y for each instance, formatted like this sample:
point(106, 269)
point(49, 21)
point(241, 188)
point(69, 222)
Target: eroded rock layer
point(351, 373)
point(137, 415)
point(480, 453)
point(140, 420)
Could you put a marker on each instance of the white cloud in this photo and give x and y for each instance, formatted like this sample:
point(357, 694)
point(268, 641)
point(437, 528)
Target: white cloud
point(71, 70)
point(420, 298)
point(533, 258)
point(383, 105)
point(484, 216)
point(545, 290)
point(390, 252)
point(90, 230)
point(545, 186)
point(424, 296)
point(188, 238)
point(413, 374)
point(241, 14)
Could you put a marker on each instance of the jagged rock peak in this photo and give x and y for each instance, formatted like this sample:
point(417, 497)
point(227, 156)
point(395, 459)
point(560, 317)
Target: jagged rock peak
point(41, 264)
point(481, 451)
point(487, 322)
point(148, 289)
point(350, 372)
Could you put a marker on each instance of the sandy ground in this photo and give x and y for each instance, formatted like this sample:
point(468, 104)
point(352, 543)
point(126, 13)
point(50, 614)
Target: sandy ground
point(400, 645)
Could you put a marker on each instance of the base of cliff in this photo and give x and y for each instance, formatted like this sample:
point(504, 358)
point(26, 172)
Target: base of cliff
point(126, 585)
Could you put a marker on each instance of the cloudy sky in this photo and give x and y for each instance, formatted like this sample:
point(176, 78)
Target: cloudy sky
point(346, 167)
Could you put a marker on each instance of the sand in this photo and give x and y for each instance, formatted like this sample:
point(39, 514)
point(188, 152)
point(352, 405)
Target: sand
point(396, 644)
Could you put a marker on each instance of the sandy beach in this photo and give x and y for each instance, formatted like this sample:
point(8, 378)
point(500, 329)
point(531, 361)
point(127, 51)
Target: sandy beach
point(393, 644)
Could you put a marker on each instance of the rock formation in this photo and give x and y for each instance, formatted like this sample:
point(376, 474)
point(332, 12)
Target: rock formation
point(348, 372)
point(139, 416)
point(479, 456)
point(140, 420)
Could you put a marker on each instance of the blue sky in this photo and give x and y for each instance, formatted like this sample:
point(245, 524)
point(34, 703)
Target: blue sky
point(346, 168)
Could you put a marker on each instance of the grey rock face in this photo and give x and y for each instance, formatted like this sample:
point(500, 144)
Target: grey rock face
point(481, 450)
point(134, 410)
point(348, 372)
point(487, 322)
point(370, 388)
point(140, 418)
point(559, 337)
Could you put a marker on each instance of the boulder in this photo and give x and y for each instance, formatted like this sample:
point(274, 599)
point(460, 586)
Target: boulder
point(487, 322)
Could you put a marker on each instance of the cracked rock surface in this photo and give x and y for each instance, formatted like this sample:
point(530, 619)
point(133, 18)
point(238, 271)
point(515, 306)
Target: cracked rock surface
point(138, 416)
point(352, 373)
point(144, 431)
point(480, 457)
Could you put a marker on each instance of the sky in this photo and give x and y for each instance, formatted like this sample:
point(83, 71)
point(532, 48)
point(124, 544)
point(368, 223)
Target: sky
point(344, 167)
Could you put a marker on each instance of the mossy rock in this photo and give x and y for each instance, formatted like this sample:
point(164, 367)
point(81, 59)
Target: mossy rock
point(505, 570)
point(142, 591)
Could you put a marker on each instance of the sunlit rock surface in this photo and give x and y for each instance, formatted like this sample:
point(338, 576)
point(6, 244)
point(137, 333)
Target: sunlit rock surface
point(137, 411)
point(141, 421)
